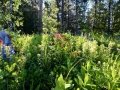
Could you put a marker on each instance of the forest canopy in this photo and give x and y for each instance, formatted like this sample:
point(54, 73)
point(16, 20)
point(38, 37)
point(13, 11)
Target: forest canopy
point(60, 15)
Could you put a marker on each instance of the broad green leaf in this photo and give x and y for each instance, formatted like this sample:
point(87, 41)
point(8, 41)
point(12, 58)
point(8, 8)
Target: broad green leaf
point(67, 86)
point(38, 87)
point(83, 71)
point(108, 85)
point(60, 84)
point(80, 81)
point(86, 78)
point(113, 72)
point(88, 66)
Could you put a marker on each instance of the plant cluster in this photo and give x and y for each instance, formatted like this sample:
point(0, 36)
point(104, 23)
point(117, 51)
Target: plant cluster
point(61, 62)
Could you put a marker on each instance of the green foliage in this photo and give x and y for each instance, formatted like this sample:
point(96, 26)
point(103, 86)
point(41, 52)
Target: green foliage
point(61, 62)
point(50, 24)
point(15, 15)
point(60, 84)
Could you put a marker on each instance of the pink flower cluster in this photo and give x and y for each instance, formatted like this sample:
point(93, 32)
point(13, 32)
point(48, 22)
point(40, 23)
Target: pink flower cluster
point(61, 38)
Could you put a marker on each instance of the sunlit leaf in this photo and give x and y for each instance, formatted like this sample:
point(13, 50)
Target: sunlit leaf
point(86, 78)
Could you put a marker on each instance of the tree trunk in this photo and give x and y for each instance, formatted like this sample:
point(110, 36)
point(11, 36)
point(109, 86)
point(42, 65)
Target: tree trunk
point(95, 14)
point(10, 24)
point(76, 17)
point(62, 15)
point(41, 13)
point(109, 11)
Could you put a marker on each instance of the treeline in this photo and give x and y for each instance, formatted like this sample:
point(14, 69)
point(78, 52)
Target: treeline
point(97, 15)
point(60, 15)
point(24, 16)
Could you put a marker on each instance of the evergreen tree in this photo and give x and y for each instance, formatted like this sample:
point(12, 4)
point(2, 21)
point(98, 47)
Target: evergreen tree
point(50, 23)
point(116, 17)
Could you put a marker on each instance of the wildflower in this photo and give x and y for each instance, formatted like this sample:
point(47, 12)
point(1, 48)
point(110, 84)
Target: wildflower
point(29, 55)
point(117, 49)
point(111, 44)
point(62, 45)
point(57, 36)
point(63, 38)
point(38, 55)
point(99, 62)
point(75, 53)
point(85, 47)
point(51, 42)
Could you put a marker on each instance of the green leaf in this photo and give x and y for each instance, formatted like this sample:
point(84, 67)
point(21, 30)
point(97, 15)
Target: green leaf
point(108, 85)
point(60, 84)
point(78, 88)
point(1, 74)
point(113, 72)
point(92, 85)
point(80, 81)
point(83, 71)
point(86, 78)
point(67, 86)
point(38, 87)
point(88, 66)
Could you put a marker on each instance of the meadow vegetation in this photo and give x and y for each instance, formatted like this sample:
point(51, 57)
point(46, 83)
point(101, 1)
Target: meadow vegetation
point(62, 62)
